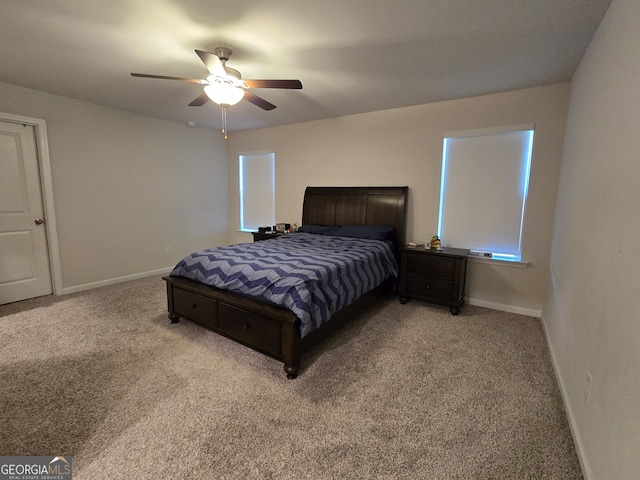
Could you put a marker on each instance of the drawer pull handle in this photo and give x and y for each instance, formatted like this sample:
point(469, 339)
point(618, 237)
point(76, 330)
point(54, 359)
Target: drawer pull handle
point(195, 305)
point(428, 287)
point(246, 326)
point(428, 265)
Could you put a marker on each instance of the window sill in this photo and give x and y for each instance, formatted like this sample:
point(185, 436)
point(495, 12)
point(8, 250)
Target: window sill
point(495, 261)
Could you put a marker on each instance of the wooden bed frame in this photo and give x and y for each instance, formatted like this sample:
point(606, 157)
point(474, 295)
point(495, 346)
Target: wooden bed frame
point(276, 331)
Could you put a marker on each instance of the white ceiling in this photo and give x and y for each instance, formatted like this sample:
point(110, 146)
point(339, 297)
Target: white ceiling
point(352, 56)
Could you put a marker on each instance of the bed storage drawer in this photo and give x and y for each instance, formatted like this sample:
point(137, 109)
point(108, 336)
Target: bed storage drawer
point(195, 307)
point(255, 330)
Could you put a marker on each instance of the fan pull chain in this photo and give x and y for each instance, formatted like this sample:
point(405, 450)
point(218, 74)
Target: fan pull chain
point(224, 122)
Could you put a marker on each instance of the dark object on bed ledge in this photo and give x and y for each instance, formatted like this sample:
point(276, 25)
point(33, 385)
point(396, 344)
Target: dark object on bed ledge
point(276, 331)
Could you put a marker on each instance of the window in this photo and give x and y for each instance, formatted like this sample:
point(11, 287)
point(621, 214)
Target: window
point(483, 191)
point(257, 191)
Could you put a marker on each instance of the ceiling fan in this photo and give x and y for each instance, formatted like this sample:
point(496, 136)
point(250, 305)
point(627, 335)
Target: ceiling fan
point(225, 86)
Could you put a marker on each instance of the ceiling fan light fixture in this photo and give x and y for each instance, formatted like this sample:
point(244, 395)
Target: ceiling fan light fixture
point(224, 94)
point(225, 86)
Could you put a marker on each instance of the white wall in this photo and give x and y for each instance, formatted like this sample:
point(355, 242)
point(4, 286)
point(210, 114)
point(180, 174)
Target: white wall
point(126, 186)
point(592, 310)
point(404, 147)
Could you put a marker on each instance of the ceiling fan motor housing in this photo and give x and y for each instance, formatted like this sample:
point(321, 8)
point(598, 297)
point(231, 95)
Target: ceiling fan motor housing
point(223, 53)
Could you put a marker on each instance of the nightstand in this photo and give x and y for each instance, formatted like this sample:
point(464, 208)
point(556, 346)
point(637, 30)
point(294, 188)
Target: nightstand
point(436, 276)
point(257, 236)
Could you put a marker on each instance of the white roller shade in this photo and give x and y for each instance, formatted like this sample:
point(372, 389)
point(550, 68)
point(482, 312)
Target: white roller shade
point(257, 191)
point(485, 176)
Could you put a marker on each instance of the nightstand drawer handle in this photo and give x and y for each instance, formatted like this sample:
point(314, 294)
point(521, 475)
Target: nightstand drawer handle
point(428, 265)
point(195, 305)
point(246, 326)
point(428, 287)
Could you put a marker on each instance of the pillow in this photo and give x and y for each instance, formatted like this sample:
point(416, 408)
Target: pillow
point(371, 232)
point(318, 229)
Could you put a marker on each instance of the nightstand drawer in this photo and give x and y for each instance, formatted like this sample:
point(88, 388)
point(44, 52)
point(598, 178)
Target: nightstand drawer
point(422, 286)
point(195, 307)
point(431, 265)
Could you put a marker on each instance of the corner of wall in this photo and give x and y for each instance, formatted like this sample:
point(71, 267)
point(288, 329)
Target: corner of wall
point(573, 425)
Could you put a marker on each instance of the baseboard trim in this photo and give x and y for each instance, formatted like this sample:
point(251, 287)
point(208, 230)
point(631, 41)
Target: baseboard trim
point(529, 312)
point(573, 426)
point(113, 281)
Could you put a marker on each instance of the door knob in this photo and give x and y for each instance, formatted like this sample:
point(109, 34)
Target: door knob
point(39, 221)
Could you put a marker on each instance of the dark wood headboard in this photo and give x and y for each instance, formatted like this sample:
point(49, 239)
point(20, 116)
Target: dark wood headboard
point(357, 206)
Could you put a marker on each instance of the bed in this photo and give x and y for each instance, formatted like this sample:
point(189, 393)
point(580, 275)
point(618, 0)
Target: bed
point(276, 330)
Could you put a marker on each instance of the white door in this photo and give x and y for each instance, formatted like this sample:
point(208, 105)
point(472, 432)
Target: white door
point(24, 255)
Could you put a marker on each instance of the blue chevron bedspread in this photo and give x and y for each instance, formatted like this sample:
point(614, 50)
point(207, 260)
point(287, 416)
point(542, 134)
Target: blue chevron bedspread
point(312, 275)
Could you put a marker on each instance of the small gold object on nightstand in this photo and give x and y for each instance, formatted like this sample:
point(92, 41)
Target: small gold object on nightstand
point(434, 243)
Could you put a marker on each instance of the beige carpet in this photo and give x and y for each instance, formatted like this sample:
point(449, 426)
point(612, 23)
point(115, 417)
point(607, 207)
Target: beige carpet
point(403, 392)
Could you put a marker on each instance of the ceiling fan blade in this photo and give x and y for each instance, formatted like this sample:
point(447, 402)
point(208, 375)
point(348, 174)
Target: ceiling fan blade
point(290, 84)
point(258, 101)
point(164, 77)
point(200, 100)
point(212, 62)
